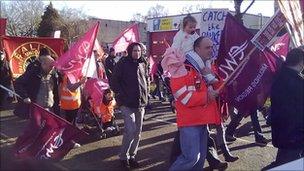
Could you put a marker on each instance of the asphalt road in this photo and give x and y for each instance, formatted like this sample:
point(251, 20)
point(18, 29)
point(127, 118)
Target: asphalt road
point(155, 146)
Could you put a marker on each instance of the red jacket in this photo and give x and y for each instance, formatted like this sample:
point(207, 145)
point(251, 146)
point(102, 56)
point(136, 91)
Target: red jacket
point(192, 106)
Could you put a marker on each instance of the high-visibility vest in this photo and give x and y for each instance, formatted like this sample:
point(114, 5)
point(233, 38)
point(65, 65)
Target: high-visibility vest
point(69, 100)
point(105, 112)
point(192, 105)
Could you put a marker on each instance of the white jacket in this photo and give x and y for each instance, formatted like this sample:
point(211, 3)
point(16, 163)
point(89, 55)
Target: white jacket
point(184, 41)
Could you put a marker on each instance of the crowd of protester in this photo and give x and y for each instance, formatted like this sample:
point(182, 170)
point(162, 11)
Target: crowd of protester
point(193, 83)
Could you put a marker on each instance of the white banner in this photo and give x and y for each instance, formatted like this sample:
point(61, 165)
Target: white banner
point(212, 24)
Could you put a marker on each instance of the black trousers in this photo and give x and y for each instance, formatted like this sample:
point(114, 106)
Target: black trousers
point(70, 115)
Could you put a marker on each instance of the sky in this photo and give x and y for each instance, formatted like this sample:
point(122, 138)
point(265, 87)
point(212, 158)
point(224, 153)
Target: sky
point(124, 10)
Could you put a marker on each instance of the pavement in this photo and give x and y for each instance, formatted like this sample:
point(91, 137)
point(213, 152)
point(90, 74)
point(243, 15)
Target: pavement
point(154, 149)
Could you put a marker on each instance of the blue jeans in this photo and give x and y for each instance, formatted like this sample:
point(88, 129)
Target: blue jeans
point(193, 144)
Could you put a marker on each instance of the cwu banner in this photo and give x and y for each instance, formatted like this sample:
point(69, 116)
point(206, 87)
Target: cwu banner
point(21, 51)
point(248, 72)
point(46, 137)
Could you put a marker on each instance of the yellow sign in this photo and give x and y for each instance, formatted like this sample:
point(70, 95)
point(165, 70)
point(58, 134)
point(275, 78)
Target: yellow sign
point(166, 24)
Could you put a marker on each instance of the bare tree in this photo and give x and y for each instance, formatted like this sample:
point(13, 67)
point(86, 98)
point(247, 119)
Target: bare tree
point(139, 17)
point(237, 7)
point(157, 11)
point(23, 17)
point(191, 9)
point(74, 23)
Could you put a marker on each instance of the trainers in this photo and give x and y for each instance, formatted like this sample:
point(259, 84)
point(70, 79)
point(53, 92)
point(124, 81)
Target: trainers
point(133, 163)
point(76, 145)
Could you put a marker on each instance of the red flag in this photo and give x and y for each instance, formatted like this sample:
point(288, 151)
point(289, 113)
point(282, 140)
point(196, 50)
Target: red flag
point(94, 88)
point(71, 63)
point(248, 87)
point(47, 136)
point(128, 36)
point(2, 26)
point(23, 50)
point(281, 46)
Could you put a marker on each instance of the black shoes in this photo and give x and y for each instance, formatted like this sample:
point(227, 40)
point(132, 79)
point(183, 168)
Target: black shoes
point(133, 163)
point(227, 155)
point(219, 166)
point(261, 140)
point(230, 138)
point(125, 164)
point(129, 164)
point(230, 158)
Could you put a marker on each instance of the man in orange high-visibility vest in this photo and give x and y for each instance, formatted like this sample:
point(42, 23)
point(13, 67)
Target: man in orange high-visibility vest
point(70, 98)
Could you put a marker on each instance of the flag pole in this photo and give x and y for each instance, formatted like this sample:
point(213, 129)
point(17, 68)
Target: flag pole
point(246, 59)
point(10, 91)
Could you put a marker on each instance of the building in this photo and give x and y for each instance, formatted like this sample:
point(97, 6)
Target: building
point(164, 28)
point(111, 29)
point(157, 29)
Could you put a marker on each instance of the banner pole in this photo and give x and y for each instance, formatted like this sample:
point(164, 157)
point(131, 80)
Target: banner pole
point(11, 91)
point(246, 59)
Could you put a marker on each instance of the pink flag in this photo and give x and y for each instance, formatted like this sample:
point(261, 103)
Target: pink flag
point(47, 136)
point(248, 71)
point(71, 63)
point(94, 88)
point(128, 36)
point(281, 46)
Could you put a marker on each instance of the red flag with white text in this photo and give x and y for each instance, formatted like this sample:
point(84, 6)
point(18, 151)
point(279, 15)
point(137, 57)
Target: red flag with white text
point(47, 136)
point(128, 36)
point(281, 46)
point(71, 62)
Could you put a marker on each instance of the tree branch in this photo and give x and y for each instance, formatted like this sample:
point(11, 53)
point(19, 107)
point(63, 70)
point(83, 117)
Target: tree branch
point(248, 7)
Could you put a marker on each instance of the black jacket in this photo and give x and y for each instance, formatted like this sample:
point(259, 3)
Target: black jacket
point(28, 85)
point(109, 67)
point(130, 82)
point(5, 80)
point(287, 115)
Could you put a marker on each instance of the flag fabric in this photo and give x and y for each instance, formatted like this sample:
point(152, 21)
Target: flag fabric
point(2, 26)
point(293, 11)
point(128, 36)
point(47, 136)
point(94, 88)
point(21, 51)
point(252, 69)
point(269, 30)
point(89, 68)
point(99, 60)
point(98, 48)
point(71, 62)
point(281, 46)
